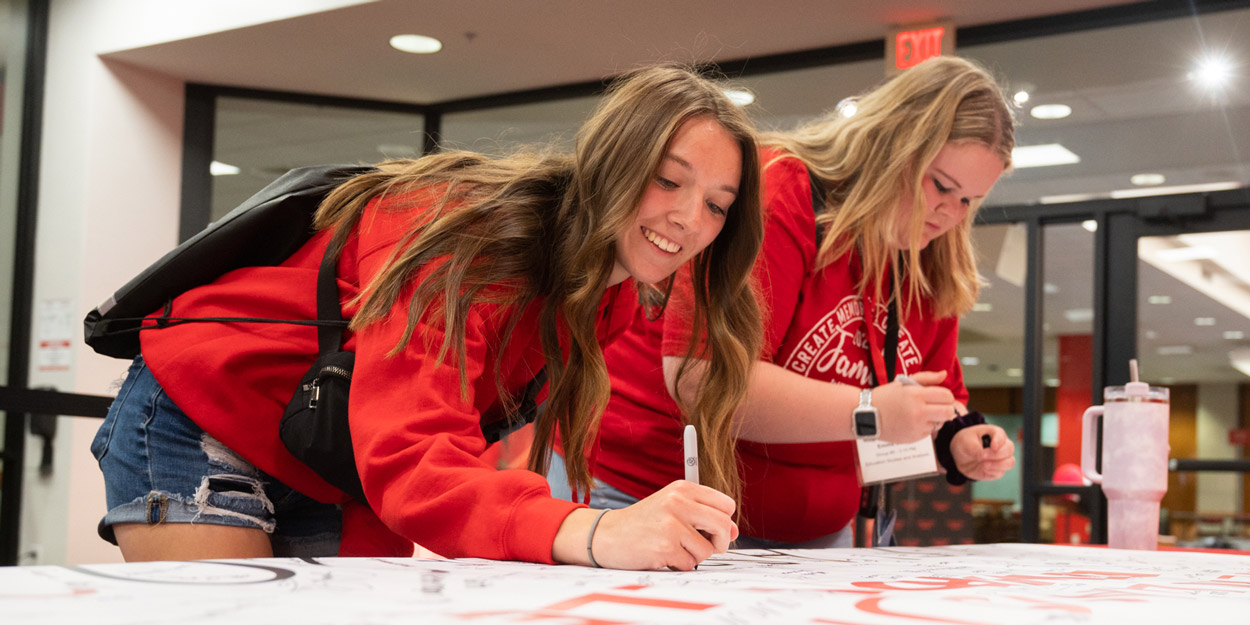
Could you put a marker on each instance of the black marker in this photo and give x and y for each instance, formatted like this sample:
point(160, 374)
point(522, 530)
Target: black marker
point(985, 441)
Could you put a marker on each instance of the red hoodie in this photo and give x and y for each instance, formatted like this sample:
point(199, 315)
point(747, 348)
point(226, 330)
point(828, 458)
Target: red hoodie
point(416, 435)
point(815, 327)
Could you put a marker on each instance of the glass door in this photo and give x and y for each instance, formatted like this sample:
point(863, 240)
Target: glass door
point(1193, 336)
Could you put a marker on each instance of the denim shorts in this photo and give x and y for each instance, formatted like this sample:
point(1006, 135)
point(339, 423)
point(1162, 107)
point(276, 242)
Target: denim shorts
point(603, 496)
point(160, 467)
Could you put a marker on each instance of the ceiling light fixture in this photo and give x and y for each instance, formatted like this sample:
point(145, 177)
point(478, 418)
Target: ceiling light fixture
point(416, 44)
point(1212, 73)
point(1021, 97)
point(741, 97)
point(1079, 315)
point(218, 168)
point(1050, 111)
point(1090, 225)
point(1175, 350)
point(1204, 321)
point(1069, 197)
point(1147, 180)
point(1184, 188)
point(969, 361)
point(1043, 155)
point(1159, 299)
point(847, 107)
point(1234, 335)
point(982, 307)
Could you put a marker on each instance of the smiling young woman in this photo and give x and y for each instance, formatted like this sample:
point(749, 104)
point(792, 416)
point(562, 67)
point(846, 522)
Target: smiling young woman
point(463, 276)
point(897, 185)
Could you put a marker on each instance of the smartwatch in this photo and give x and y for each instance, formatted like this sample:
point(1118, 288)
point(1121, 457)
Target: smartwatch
point(866, 421)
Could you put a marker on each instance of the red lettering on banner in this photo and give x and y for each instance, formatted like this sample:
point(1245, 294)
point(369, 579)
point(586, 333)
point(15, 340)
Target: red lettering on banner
point(595, 597)
point(538, 615)
point(873, 606)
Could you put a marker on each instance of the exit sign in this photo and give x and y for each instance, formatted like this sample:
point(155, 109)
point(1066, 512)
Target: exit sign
point(907, 46)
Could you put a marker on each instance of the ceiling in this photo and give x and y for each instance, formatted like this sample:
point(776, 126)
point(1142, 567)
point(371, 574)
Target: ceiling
point(1134, 106)
point(499, 46)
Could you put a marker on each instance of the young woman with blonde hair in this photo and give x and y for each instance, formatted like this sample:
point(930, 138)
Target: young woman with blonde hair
point(462, 276)
point(896, 185)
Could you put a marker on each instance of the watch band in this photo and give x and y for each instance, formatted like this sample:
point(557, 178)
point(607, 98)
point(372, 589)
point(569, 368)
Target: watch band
point(865, 419)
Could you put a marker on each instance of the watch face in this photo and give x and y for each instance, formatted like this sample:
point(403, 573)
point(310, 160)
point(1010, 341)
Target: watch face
point(865, 423)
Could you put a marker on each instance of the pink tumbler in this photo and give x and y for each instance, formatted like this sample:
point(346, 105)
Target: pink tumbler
point(1134, 460)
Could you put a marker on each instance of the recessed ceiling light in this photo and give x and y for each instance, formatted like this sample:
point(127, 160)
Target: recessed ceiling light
point(1184, 188)
point(1079, 315)
point(1188, 252)
point(1175, 350)
point(1204, 321)
point(1043, 155)
point(1014, 372)
point(1213, 72)
point(1052, 382)
point(416, 44)
point(1147, 180)
point(741, 97)
point(1152, 335)
point(1050, 288)
point(1234, 335)
point(218, 168)
point(970, 361)
point(847, 107)
point(1021, 97)
point(1068, 197)
point(1050, 111)
point(1159, 299)
point(982, 307)
point(1090, 224)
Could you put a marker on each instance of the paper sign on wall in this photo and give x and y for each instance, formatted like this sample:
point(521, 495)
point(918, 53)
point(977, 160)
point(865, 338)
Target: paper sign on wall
point(55, 320)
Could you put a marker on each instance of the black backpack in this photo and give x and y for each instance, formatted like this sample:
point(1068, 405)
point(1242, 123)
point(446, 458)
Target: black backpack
point(264, 231)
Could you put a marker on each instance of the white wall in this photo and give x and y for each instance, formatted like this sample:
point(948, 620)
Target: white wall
point(110, 171)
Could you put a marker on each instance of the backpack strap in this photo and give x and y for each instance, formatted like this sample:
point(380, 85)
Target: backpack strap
point(330, 322)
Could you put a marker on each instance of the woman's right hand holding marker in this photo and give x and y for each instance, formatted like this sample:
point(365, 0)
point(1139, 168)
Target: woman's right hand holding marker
point(912, 412)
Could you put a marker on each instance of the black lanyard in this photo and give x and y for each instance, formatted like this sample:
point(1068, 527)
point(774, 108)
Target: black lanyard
point(889, 351)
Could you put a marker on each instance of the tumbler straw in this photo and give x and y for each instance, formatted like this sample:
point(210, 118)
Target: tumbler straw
point(1136, 390)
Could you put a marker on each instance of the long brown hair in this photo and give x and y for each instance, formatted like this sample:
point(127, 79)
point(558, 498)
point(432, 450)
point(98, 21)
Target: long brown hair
point(545, 225)
point(867, 162)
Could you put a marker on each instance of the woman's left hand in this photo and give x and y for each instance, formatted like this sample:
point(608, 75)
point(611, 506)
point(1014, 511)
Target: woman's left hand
point(983, 463)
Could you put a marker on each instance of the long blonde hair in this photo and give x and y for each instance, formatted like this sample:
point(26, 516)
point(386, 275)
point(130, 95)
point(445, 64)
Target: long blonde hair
point(545, 225)
point(868, 162)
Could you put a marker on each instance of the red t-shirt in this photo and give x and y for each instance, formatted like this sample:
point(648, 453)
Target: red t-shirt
point(815, 327)
point(417, 437)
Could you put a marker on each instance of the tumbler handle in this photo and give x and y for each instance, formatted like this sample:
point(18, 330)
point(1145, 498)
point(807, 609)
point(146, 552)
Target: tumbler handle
point(1088, 423)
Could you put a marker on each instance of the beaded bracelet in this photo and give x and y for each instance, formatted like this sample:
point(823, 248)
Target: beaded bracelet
point(590, 538)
